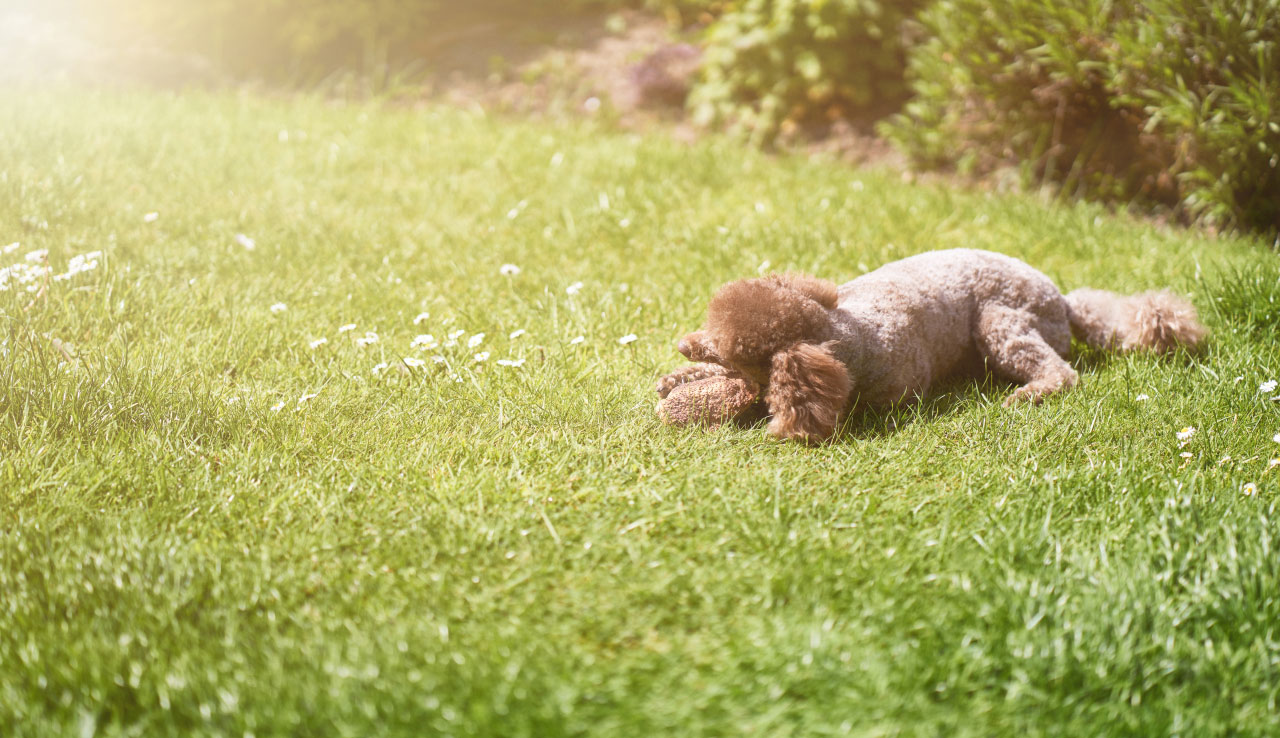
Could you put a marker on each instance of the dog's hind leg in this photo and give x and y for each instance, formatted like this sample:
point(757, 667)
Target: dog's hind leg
point(1013, 347)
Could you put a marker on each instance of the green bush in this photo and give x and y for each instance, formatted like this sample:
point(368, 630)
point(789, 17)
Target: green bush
point(774, 66)
point(1165, 101)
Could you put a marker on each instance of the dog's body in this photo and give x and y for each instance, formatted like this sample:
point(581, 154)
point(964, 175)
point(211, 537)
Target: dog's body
point(889, 335)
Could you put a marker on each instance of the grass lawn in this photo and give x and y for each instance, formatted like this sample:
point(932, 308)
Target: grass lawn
point(211, 523)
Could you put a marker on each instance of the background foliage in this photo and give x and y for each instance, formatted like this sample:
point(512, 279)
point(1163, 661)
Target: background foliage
point(772, 66)
point(1170, 101)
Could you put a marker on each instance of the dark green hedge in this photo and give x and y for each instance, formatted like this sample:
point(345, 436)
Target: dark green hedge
point(1167, 101)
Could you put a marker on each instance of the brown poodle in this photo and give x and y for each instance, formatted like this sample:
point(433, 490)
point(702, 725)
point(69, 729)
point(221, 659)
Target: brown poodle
point(820, 351)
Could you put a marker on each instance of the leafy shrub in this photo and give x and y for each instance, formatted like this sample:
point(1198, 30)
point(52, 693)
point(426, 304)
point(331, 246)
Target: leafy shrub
point(1168, 101)
point(773, 66)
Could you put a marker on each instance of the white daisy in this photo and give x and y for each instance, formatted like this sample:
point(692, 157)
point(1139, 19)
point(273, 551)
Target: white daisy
point(438, 359)
point(421, 317)
point(1249, 489)
point(308, 396)
point(1264, 388)
point(279, 307)
point(574, 288)
point(318, 343)
point(425, 340)
point(1237, 380)
point(1273, 464)
point(508, 270)
point(1186, 454)
point(482, 356)
point(150, 217)
point(347, 327)
point(517, 363)
point(248, 243)
point(12, 247)
point(627, 339)
point(577, 340)
point(625, 222)
point(277, 407)
point(1186, 433)
point(455, 335)
point(475, 340)
point(1142, 398)
point(40, 255)
point(1276, 438)
point(413, 362)
point(516, 333)
point(380, 367)
point(368, 338)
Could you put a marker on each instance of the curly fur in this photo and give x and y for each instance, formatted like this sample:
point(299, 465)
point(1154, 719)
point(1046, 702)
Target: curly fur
point(808, 388)
point(889, 335)
point(1157, 321)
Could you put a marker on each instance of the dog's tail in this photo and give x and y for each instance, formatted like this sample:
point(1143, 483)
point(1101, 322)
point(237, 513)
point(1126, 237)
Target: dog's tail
point(1158, 321)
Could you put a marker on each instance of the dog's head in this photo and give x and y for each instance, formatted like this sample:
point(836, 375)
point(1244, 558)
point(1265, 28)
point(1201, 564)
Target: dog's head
point(772, 330)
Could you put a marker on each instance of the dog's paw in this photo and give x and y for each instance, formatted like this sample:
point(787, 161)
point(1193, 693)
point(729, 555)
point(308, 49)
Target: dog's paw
point(1027, 394)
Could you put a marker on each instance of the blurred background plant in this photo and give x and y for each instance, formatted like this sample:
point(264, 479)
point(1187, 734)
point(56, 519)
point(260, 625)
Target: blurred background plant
point(1169, 102)
point(1169, 105)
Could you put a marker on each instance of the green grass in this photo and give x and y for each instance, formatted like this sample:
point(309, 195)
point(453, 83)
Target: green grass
point(527, 551)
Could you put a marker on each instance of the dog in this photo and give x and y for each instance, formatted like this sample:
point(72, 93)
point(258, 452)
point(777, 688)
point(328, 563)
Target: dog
point(819, 351)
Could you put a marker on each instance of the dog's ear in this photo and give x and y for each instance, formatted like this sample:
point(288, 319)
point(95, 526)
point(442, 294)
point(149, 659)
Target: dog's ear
point(821, 291)
point(808, 387)
point(697, 346)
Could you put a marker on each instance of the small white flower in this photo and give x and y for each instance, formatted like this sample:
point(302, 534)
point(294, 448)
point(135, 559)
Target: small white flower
point(246, 242)
point(574, 288)
point(627, 339)
point(380, 367)
point(1276, 438)
point(508, 270)
point(1237, 380)
point(482, 356)
point(577, 340)
point(591, 105)
point(1249, 489)
point(40, 255)
point(421, 317)
point(1186, 454)
point(277, 407)
point(475, 340)
point(308, 396)
point(368, 338)
point(318, 343)
point(279, 307)
point(517, 363)
point(625, 222)
point(425, 340)
point(438, 359)
point(516, 334)
point(557, 159)
point(232, 400)
point(1186, 433)
point(1273, 464)
point(413, 362)
point(1142, 398)
point(12, 247)
point(455, 335)
point(150, 217)
point(347, 327)
point(1264, 388)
